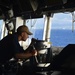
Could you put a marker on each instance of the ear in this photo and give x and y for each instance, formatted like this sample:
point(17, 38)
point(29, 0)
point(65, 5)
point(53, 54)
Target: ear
point(23, 33)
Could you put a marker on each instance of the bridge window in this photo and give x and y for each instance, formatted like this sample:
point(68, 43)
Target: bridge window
point(61, 33)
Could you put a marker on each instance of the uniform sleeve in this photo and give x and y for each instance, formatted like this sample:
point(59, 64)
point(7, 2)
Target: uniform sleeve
point(17, 47)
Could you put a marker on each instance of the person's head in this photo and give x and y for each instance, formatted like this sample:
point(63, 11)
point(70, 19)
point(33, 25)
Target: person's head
point(23, 32)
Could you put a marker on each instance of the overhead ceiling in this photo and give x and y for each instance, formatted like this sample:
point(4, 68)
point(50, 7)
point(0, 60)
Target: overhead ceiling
point(34, 8)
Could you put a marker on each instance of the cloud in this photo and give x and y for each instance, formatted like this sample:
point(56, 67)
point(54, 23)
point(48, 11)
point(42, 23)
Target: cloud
point(62, 21)
point(59, 21)
point(37, 23)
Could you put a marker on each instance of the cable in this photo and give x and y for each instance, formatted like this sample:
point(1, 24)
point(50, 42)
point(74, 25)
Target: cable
point(35, 55)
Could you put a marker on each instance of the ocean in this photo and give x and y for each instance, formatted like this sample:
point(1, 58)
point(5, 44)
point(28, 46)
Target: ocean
point(58, 37)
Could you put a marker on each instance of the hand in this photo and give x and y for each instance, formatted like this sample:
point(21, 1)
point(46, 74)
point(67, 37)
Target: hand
point(34, 53)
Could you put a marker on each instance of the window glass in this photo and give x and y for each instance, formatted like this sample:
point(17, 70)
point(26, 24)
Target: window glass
point(3, 30)
point(61, 31)
point(36, 27)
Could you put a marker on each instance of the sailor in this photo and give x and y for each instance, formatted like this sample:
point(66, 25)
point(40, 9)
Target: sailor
point(10, 47)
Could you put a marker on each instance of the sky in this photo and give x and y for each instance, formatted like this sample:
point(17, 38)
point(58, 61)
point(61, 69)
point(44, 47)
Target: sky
point(62, 21)
point(59, 21)
point(1, 21)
